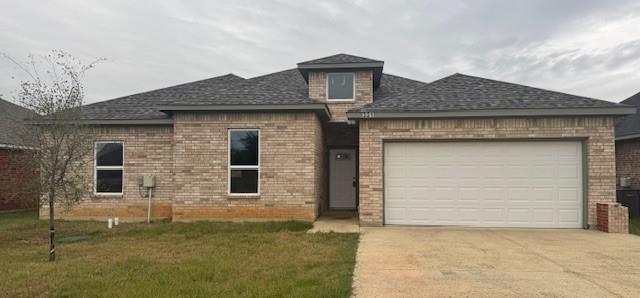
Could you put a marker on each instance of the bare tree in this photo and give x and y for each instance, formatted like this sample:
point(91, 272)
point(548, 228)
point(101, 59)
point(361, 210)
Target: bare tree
point(53, 88)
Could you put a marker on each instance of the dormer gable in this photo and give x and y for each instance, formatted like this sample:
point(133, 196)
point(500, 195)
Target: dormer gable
point(342, 81)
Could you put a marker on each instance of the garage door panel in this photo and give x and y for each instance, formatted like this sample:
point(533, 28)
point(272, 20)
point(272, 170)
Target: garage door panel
point(543, 215)
point(493, 215)
point(492, 184)
point(569, 194)
point(568, 171)
point(570, 215)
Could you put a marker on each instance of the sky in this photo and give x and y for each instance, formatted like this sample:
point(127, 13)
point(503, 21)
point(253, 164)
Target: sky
point(583, 47)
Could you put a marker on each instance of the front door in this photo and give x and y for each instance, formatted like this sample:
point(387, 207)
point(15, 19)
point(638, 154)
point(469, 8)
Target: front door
point(342, 178)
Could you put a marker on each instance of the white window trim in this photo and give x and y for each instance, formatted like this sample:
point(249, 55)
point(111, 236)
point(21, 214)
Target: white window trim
point(230, 167)
point(353, 98)
point(96, 168)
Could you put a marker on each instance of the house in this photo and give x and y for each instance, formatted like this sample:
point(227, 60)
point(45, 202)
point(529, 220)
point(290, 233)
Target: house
point(628, 146)
point(339, 133)
point(15, 168)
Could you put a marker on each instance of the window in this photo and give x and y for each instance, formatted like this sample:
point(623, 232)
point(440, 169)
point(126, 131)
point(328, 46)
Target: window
point(109, 167)
point(340, 86)
point(244, 161)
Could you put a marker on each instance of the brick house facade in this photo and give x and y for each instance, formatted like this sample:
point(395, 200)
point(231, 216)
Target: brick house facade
point(628, 162)
point(18, 175)
point(628, 146)
point(319, 147)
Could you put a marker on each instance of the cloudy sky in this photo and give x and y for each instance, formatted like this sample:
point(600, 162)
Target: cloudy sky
point(589, 48)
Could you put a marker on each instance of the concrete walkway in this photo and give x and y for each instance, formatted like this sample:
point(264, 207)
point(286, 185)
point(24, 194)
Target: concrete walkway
point(450, 262)
point(337, 222)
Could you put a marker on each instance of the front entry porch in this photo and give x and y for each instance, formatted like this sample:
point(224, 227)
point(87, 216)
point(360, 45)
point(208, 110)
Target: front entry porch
point(337, 221)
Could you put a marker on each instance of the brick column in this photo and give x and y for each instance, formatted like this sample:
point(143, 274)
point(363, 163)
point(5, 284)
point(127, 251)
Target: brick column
point(612, 218)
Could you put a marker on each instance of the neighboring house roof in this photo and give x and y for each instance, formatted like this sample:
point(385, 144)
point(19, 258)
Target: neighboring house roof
point(288, 90)
point(461, 93)
point(340, 59)
point(12, 124)
point(628, 127)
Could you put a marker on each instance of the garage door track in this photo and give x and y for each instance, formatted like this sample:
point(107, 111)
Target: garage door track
point(458, 262)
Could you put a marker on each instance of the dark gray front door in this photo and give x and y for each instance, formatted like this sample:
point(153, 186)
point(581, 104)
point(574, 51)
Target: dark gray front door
point(342, 178)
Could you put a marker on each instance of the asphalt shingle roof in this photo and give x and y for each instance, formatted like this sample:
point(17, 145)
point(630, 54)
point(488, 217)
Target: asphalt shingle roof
point(394, 94)
point(12, 123)
point(339, 58)
point(464, 92)
point(291, 80)
point(226, 89)
point(629, 125)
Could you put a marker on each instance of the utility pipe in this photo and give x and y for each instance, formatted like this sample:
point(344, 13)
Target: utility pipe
point(150, 190)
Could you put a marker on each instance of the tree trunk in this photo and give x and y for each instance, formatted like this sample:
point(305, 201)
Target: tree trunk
point(52, 228)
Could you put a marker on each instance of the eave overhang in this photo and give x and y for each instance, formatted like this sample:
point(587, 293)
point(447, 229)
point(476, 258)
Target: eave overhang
point(320, 109)
point(609, 111)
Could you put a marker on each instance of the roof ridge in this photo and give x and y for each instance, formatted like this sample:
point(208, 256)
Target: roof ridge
point(521, 85)
point(631, 99)
point(272, 73)
point(404, 78)
point(315, 60)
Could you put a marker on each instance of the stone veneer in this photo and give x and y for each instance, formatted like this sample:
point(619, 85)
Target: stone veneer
point(291, 158)
point(147, 151)
point(628, 161)
point(597, 132)
point(338, 109)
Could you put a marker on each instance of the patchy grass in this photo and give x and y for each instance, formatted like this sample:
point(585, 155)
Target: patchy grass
point(634, 226)
point(173, 259)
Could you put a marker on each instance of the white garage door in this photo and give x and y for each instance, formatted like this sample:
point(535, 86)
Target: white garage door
point(484, 184)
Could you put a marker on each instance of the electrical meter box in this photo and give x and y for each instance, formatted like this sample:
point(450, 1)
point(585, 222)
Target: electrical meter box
point(147, 181)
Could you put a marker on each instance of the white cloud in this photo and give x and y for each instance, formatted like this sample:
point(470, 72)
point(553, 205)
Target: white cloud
point(581, 47)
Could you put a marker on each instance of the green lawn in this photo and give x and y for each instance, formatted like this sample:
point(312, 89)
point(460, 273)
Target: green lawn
point(173, 259)
point(634, 226)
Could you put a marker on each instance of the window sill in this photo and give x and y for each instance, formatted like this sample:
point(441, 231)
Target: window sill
point(340, 100)
point(243, 197)
point(107, 195)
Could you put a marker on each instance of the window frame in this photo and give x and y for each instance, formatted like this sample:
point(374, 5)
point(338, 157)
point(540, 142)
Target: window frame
point(353, 97)
point(96, 168)
point(243, 167)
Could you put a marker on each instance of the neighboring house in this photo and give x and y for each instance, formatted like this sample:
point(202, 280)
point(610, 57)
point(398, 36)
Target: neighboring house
point(338, 133)
point(628, 145)
point(15, 170)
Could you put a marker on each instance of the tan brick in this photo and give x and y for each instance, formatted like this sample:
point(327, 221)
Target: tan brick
point(364, 93)
point(597, 133)
point(291, 158)
point(147, 151)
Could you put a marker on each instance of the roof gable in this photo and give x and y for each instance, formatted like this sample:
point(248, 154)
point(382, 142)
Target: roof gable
point(339, 59)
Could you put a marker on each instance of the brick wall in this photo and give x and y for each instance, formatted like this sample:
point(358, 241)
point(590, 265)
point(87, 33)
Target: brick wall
point(17, 189)
point(290, 179)
point(598, 132)
point(147, 151)
point(364, 93)
point(628, 161)
point(612, 218)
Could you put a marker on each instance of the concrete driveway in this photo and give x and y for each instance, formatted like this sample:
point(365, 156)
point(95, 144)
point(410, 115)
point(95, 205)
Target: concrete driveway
point(451, 262)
